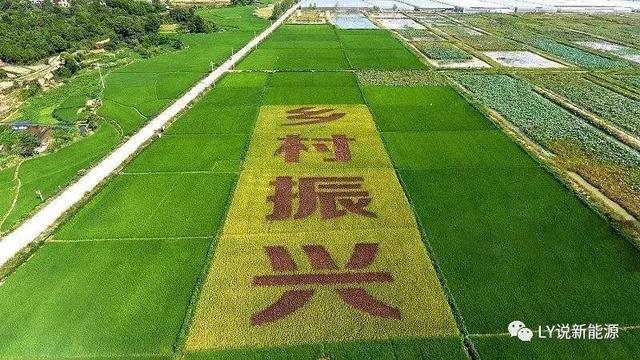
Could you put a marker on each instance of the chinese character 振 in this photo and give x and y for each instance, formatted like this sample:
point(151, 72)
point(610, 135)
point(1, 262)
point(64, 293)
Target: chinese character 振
point(335, 197)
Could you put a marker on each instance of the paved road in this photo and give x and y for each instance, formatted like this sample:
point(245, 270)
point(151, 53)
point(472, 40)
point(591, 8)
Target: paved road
point(35, 226)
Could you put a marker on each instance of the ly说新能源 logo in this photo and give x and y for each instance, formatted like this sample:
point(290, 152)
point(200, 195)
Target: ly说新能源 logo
point(596, 331)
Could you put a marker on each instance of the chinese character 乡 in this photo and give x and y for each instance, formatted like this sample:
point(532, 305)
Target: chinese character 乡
point(334, 196)
point(300, 287)
point(311, 115)
point(292, 145)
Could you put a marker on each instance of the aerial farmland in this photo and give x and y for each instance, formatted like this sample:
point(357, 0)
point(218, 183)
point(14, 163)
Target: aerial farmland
point(351, 179)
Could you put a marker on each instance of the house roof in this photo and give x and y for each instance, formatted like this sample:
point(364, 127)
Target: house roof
point(21, 123)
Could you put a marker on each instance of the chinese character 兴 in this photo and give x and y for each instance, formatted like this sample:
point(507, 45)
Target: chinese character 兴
point(349, 283)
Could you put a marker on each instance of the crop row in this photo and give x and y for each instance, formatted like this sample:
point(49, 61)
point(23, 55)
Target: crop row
point(398, 78)
point(543, 121)
point(606, 103)
point(418, 34)
point(633, 80)
point(442, 51)
point(480, 41)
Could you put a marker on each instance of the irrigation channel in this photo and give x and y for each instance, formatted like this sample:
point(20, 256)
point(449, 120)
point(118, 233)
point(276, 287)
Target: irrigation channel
point(36, 225)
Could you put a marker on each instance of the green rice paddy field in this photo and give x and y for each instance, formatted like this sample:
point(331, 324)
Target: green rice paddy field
point(132, 95)
point(428, 230)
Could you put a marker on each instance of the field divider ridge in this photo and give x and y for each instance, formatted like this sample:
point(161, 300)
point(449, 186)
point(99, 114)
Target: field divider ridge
point(39, 223)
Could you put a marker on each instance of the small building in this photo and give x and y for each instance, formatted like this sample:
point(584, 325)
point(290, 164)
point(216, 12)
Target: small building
point(21, 125)
point(61, 3)
point(44, 133)
point(84, 128)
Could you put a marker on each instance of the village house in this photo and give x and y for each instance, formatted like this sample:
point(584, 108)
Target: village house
point(61, 3)
point(42, 132)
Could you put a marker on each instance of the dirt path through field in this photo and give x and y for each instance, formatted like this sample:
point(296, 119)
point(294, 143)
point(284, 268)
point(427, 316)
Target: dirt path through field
point(15, 197)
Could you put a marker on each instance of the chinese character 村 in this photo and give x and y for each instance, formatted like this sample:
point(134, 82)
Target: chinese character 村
point(293, 145)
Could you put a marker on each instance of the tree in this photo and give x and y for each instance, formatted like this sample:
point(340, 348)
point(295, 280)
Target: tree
point(191, 21)
point(127, 28)
point(28, 143)
point(30, 33)
point(152, 23)
point(198, 25)
point(181, 14)
point(91, 119)
point(277, 11)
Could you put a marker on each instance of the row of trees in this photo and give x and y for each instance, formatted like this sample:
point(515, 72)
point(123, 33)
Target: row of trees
point(31, 33)
point(281, 7)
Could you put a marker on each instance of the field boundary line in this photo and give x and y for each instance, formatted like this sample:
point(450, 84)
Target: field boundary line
point(616, 86)
point(343, 49)
point(198, 237)
point(597, 193)
point(43, 219)
point(174, 172)
point(180, 341)
point(116, 126)
point(15, 197)
point(131, 107)
point(163, 199)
